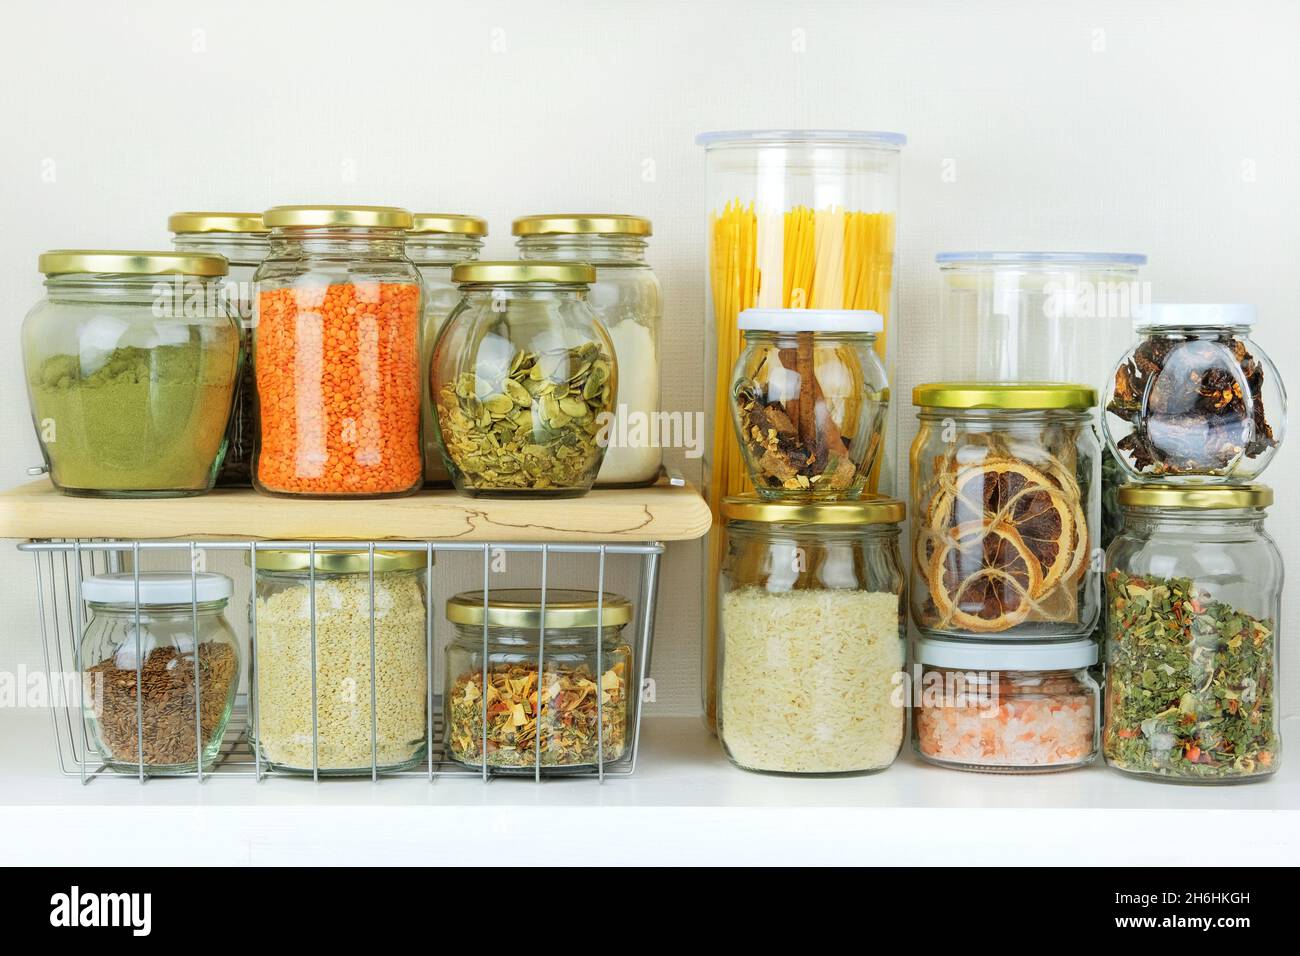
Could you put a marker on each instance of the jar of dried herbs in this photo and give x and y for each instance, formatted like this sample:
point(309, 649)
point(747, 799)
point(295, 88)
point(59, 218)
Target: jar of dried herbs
point(1005, 510)
point(1195, 400)
point(524, 381)
point(1193, 596)
point(160, 667)
point(809, 401)
point(545, 686)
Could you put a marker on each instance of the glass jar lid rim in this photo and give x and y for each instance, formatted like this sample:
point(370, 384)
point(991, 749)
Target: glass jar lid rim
point(157, 588)
point(446, 222)
point(1040, 258)
point(1196, 497)
point(760, 137)
point(1193, 315)
point(554, 272)
point(246, 222)
point(1028, 396)
point(863, 511)
point(811, 320)
point(131, 262)
point(1005, 655)
point(585, 223)
point(337, 561)
point(522, 608)
point(361, 217)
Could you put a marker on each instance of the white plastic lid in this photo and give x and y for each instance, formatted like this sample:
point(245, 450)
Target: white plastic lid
point(973, 655)
point(157, 587)
point(1194, 316)
point(811, 320)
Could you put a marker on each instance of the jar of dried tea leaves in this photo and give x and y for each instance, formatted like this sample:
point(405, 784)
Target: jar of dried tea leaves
point(523, 380)
point(809, 401)
point(1195, 400)
point(577, 713)
point(1193, 597)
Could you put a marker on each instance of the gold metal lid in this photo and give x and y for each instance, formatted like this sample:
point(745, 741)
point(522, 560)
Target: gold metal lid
point(582, 224)
point(443, 222)
point(1010, 396)
point(128, 262)
point(216, 222)
point(1200, 497)
point(360, 217)
point(522, 608)
point(339, 562)
point(866, 510)
point(560, 273)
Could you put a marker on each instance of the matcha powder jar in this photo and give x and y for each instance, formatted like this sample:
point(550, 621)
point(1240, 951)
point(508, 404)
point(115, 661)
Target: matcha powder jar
point(131, 362)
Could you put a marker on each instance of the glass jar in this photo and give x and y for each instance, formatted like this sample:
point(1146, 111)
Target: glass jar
point(336, 350)
point(1194, 596)
point(1005, 708)
point(812, 629)
point(576, 639)
point(1005, 503)
point(436, 242)
point(242, 238)
point(809, 401)
point(131, 360)
point(1195, 400)
point(144, 686)
point(317, 708)
point(523, 379)
point(627, 298)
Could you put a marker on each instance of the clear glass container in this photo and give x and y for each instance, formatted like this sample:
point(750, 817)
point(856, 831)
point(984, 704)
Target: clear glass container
point(337, 355)
point(812, 626)
point(576, 646)
point(523, 379)
point(1194, 597)
point(144, 684)
point(318, 708)
point(1005, 708)
point(1005, 505)
point(436, 242)
point(1195, 400)
point(242, 238)
point(131, 361)
point(627, 298)
point(810, 402)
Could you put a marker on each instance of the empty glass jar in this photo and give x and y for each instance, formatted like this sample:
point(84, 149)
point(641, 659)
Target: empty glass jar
point(524, 380)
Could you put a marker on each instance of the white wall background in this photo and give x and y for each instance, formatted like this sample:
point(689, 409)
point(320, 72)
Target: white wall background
point(1161, 127)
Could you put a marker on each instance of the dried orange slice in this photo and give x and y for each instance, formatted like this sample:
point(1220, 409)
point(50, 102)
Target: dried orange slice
point(982, 577)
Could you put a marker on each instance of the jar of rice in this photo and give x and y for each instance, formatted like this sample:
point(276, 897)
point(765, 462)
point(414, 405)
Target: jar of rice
point(318, 708)
point(811, 624)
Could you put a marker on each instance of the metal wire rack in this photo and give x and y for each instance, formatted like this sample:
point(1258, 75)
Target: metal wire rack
point(61, 566)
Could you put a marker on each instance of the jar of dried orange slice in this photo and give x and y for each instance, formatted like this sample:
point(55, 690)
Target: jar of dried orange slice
point(1006, 500)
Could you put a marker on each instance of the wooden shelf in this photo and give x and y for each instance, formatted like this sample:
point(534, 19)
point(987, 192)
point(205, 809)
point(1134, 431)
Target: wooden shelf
point(659, 513)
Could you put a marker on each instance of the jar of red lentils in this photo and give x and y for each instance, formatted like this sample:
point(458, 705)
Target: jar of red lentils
point(336, 354)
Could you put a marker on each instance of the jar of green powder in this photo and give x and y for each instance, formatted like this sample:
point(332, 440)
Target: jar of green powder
point(131, 362)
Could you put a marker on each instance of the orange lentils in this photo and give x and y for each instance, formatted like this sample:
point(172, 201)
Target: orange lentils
point(338, 389)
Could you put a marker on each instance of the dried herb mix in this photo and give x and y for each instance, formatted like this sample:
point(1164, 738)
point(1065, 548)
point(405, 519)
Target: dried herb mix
point(1190, 682)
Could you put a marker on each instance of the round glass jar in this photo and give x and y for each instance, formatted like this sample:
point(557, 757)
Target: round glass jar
point(436, 242)
point(1195, 400)
point(1193, 602)
point(131, 360)
point(811, 628)
point(1005, 503)
point(523, 380)
point(1005, 708)
point(336, 354)
point(142, 664)
point(576, 645)
point(242, 238)
point(810, 403)
point(318, 710)
point(627, 298)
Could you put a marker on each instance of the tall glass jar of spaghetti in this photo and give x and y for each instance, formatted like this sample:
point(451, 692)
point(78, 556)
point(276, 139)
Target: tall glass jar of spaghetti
point(337, 355)
point(1006, 503)
point(798, 219)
